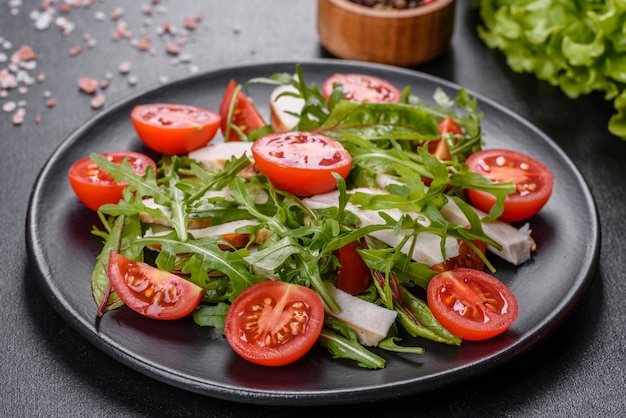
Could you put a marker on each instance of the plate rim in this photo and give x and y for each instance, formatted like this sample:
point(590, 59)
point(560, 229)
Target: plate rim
point(311, 397)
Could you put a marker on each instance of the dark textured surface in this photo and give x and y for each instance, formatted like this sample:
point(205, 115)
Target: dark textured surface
point(48, 369)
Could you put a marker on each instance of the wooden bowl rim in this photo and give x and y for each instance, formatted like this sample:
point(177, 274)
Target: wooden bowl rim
point(391, 13)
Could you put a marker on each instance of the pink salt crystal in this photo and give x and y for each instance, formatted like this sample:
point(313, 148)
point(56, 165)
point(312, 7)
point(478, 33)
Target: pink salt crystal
point(88, 85)
point(124, 67)
point(18, 116)
point(23, 54)
point(98, 101)
point(190, 23)
point(144, 44)
point(9, 106)
point(172, 48)
point(75, 51)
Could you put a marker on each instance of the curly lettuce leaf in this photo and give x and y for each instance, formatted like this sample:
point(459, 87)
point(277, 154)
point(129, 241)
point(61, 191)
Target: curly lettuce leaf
point(576, 45)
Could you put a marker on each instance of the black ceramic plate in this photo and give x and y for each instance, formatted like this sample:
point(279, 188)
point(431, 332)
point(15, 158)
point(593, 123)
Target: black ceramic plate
point(199, 359)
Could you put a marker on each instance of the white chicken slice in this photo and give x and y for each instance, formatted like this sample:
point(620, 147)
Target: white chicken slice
point(517, 244)
point(283, 107)
point(215, 155)
point(227, 231)
point(370, 322)
point(427, 248)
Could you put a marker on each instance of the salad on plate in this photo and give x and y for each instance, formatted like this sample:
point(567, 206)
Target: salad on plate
point(359, 214)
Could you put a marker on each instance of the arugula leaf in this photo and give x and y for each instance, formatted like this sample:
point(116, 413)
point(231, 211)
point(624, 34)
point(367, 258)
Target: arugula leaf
point(120, 238)
point(206, 256)
point(374, 121)
point(389, 344)
point(417, 319)
point(341, 341)
point(145, 184)
point(211, 315)
point(413, 313)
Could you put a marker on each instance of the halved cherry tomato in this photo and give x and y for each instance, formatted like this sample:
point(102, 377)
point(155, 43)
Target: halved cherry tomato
point(467, 258)
point(471, 304)
point(95, 187)
point(273, 323)
point(533, 181)
point(301, 163)
point(174, 128)
point(245, 114)
point(353, 276)
point(440, 148)
point(362, 88)
point(152, 292)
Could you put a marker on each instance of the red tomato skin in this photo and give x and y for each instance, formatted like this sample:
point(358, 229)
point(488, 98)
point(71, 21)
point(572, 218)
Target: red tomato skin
point(172, 297)
point(284, 298)
point(94, 187)
point(491, 306)
point(353, 276)
point(301, 163)
point(440, 148)
point(362, 88)
point(174, 129)
point(245, 115)
point(517, 206)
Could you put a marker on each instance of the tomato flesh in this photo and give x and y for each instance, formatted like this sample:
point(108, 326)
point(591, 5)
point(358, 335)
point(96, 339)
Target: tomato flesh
point(301, 163)
point(152, 292)
point(174, 129)
point(274, 323)
point(533, 182)
point(94, 187)
point(362, 88)
point(471, 304)
point(353, 275)
point(467, 258)
point(245, 114)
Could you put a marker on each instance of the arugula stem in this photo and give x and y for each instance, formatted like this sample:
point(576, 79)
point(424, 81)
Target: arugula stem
point(312, 273)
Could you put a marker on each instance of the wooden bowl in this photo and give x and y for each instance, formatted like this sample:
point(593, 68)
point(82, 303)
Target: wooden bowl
point(389, 36)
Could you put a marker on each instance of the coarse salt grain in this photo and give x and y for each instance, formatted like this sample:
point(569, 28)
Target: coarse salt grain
point(18, 116)
point(124, 67)
point(75, 51)
point(9, 106)
point(172, 48)
point(88, 85)
point(98, 101)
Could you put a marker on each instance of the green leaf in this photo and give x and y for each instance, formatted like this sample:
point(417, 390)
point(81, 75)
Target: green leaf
point(576, 45)
point(373, 121)
point(427, 326)
point(341, 341)
point(206, 257)
point(211, 316)
point(123, 231)
point(389, 344)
